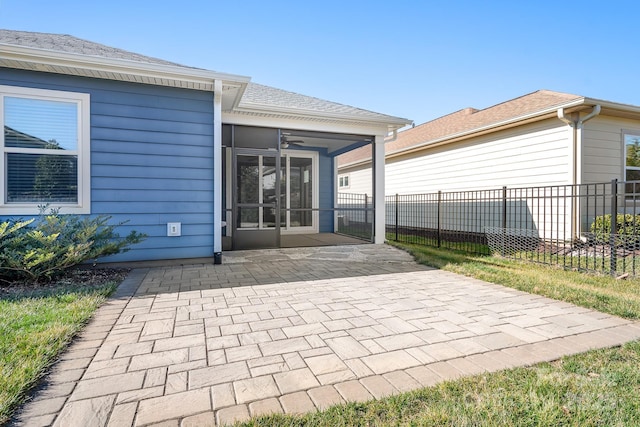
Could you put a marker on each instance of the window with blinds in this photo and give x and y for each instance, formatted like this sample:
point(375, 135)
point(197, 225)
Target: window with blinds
point(43, 148)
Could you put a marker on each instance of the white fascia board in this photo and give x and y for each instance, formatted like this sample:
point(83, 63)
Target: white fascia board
point(123, 66)
point(318, 124)
point(390, 122)
point(613, 105)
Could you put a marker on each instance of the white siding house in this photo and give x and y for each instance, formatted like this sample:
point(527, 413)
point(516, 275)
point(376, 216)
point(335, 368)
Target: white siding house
point(542, 139)
point(535, 154)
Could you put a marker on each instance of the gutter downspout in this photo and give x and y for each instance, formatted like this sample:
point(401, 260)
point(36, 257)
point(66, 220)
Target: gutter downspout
point(576, 160)
point(394, 134)
point(393, 137)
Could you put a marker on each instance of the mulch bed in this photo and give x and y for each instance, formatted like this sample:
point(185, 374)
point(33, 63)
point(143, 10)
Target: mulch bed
point(85, 277)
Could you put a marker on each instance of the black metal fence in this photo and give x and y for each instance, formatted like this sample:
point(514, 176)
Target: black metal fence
point(566, 225)
point(355, 215)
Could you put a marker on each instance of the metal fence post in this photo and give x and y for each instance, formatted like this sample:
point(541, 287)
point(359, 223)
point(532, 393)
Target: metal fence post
point(504, 220)
point(614, 226)
point(366, 209)
point(396, 217)
point(439, 217)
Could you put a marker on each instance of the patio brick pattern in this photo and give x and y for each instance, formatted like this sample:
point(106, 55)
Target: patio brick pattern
point(295, 330)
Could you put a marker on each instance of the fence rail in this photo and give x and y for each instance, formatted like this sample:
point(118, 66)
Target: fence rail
point(354, 215)
point(566, 225)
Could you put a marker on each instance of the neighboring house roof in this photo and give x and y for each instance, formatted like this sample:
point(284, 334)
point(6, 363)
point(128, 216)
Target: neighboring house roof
point(65, 54)
point(470, 122)
point(15, 138)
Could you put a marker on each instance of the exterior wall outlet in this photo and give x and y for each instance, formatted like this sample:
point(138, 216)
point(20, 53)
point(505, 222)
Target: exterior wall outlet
point(174, 229)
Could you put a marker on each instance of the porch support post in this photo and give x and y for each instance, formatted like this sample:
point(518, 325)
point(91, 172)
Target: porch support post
point(378, 190)
point(217, 171)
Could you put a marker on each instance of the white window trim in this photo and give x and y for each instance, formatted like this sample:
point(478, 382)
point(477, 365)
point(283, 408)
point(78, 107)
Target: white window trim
point(83, 151)
point(630, 199)
point(341, 176)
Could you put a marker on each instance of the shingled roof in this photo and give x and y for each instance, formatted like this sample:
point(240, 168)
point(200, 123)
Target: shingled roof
point(71, 44)
point(255, 97)
point(466, 120)
point(268, 97)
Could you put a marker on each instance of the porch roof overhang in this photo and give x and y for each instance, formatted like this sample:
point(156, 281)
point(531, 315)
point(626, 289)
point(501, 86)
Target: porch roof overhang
point(336, 136)
point(336, 127)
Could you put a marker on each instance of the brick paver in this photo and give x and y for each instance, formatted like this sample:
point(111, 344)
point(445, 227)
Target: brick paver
point(297, 403)
point(265, 407)
point(294, 331)
point(325, 396)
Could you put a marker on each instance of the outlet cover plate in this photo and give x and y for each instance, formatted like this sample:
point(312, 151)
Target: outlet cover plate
point(174, 229)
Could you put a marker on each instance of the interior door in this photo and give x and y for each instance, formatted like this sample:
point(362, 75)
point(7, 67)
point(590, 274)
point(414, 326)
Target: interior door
point(256, 207)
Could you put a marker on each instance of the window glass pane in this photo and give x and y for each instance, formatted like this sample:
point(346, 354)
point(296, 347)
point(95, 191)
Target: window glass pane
point(269, 179)
point(248, 217)
point(248, 179)
point(40, 178)
point(268, 217)
point(269, 187)
point(283, 191)
point(36, 123)
point(301, 186)
point(633, 175)
point(632, 189)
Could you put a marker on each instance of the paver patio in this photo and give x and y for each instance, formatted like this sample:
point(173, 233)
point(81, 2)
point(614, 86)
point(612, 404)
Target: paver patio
point(293, 330)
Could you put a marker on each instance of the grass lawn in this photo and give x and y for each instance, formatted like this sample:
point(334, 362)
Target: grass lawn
point(602, 293)
point(597, 388)
point(36, 323)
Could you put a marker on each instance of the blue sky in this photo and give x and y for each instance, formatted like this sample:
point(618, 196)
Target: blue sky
point(414, 59)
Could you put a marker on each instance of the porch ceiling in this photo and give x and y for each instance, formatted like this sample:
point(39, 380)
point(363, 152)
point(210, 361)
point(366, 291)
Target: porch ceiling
point(335, 143)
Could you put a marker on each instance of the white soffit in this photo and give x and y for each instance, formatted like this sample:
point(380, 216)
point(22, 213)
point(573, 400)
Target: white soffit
point(44, 60)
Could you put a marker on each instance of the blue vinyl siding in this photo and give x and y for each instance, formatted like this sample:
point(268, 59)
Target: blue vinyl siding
point(326, 187)
point(151, 160)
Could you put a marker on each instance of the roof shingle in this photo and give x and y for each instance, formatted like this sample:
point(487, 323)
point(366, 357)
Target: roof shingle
point(256, 96)
point(71, 44)
point(267, 96)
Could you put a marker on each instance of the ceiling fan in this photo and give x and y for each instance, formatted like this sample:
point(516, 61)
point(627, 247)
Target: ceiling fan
point(285, 142)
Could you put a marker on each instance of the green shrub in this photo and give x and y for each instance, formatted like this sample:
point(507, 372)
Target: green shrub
point(627, 229)
point(43, 248)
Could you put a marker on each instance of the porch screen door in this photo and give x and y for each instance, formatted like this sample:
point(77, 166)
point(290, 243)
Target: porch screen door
point(257, 176)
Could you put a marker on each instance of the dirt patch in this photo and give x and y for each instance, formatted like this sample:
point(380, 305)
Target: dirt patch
point(85, 277)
